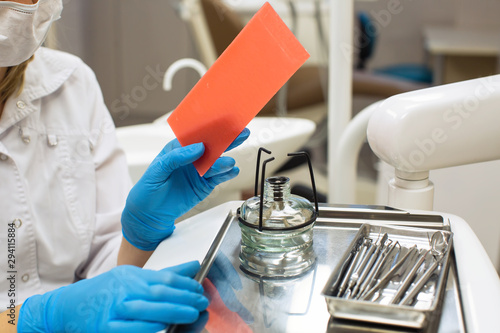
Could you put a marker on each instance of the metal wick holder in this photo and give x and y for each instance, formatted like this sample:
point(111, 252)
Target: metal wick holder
point(277, 227)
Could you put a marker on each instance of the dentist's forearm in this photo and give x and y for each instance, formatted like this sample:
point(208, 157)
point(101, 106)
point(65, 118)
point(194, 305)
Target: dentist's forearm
point(8, 320)
point(130, 255)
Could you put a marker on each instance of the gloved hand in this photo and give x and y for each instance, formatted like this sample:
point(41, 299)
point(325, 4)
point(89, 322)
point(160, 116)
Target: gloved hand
point(169, 188)
point(125, 299)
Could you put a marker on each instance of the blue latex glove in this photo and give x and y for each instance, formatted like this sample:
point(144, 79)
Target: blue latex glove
point(226, 279)
point(169, 188)
point(125, 299)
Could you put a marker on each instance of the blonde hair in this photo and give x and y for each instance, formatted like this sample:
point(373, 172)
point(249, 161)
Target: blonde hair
point(51, 40)
point(13, 80)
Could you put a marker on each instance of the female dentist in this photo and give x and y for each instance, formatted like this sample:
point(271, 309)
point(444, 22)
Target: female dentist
point(64, 185)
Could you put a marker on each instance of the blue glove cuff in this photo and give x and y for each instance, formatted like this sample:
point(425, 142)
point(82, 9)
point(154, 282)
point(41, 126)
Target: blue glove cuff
point(136, 233)
point(35, 310)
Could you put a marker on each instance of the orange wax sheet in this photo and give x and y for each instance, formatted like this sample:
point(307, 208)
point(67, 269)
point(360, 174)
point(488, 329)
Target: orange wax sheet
point(252, 69)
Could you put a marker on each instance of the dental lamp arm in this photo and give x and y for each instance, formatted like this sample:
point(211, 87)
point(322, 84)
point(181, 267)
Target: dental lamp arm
point(439, 127)
point(433, 128)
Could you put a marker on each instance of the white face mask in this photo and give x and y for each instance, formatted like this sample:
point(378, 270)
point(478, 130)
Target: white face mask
point(23, 28)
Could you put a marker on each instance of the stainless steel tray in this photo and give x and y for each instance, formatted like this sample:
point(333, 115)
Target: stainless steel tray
point(378, 308)
point(297, 304)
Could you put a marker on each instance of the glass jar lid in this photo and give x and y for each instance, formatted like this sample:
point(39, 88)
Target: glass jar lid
point(281, 210)
point(277, 208)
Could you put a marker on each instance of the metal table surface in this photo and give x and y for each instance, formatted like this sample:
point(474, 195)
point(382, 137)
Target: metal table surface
point(296, 304)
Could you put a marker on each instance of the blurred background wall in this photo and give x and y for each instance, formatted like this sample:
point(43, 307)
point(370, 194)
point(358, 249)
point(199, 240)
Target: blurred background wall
point(130, 43)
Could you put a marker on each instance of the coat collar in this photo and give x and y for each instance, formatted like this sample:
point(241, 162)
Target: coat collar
point(48, 71)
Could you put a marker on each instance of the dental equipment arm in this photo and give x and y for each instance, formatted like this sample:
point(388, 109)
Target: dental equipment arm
point(438, 127)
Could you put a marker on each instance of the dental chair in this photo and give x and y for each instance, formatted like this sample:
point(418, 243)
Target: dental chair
point(304, 94)
point(214, 25)
point(305, 89)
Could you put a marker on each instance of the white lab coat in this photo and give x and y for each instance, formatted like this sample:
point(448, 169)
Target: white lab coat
point(63, 180)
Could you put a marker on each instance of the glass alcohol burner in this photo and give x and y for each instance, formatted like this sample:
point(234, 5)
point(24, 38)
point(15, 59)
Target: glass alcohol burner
point(280, 245)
